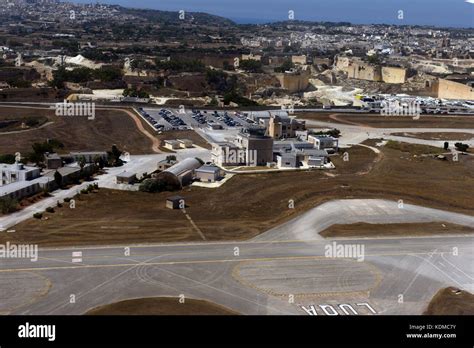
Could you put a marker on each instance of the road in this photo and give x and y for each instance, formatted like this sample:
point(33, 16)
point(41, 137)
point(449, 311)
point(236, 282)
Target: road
point(351, 134)
point(283, 271)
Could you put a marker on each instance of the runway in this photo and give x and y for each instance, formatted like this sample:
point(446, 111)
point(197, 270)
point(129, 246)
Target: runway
point(283, 271)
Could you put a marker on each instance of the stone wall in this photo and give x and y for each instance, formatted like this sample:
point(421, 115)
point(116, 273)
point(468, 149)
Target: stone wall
point(452, 90)
point(394, 75)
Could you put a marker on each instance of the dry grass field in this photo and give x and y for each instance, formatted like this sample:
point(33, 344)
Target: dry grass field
point(379, 121)
point(250, 204)
point(76, 133)
point(161, 306)
point(451, 301)
point(438, 136)
point(393, 230)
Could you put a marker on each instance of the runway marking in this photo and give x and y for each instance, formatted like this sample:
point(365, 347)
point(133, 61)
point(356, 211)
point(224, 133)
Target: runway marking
point(161, 245)
point(456, 267)
point(95, 257)
point(98, 257)
point(361, 293)
point(418, 273)
point(77, 256)
point(194, 224)
point(440, 270)
point(223, 291)
point(196, 262)
point(34, 298)
point(108, 280)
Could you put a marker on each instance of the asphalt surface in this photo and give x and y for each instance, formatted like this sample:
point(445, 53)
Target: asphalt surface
point(352, 134)
point(283, 271)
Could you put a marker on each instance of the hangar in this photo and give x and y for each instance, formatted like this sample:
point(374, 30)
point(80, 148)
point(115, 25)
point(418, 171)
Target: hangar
point(181, 173)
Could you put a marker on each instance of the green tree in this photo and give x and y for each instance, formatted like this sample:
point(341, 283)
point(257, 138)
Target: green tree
point(8, 158)
point(114, 156)
point(461, 147)
point(287, 65)
point(251, 65)
point(8, 204)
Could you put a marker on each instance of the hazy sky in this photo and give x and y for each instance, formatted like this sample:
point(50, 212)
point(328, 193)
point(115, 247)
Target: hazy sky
point(456, 13)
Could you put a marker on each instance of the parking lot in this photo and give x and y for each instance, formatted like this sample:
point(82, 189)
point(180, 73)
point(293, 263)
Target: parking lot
point(179, 119)
point(212, 124)
point(216, 119)
point(163, 119)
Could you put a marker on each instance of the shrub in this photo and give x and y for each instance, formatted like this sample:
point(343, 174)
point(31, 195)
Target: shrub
point(461, 147)
point(38, 215)
point(50, 209)
point(67, 199)
point(8, 205)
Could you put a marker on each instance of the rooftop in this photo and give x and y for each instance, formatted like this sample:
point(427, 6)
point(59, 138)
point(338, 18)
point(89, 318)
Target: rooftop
point(16, 167)
point(208, 169)
point(174, 198)
point(16, 186)
point(126, 174)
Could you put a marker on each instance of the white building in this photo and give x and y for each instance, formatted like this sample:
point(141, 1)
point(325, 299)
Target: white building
point(18, 181)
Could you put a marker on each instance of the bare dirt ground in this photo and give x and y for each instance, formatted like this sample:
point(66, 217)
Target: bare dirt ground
point(451, 301)
point(414, 149)
point(77, 133)
point(362, 229)
point(379, 121)
point(250, 204)
point(161, 306)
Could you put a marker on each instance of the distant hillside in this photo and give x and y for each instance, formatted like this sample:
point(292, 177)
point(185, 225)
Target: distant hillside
point(172, 17)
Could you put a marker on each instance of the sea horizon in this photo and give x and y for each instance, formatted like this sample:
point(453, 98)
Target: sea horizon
point(435, 13)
